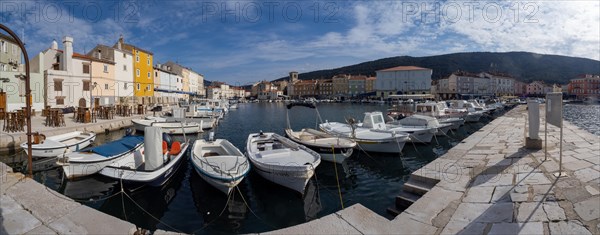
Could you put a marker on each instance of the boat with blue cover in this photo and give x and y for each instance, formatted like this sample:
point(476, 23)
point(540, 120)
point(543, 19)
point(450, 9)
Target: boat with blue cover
point(91, 160)
point(154, 166)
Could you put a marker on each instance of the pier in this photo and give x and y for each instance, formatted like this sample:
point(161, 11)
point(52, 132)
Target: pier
point(28, 207)
point(490, 184)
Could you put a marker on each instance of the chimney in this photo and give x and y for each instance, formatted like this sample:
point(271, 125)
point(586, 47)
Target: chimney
point(99, 54)
point(120, 43)
point(54, 45)
point(67, 60)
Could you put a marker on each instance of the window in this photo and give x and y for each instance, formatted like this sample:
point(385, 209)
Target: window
point(58, 85)
point(137, 73)
point(148, 74)
point(2, 67)
point(124, 55)
point(148, 60)
point(3, 46)
point(138, 86)
point(60, 100)
point(14, 51)
point(147, 87)
point(86, 85)
point(105, 86)
point(125, 86)
point(86, 68)
point(106, 68)
point(124, 67)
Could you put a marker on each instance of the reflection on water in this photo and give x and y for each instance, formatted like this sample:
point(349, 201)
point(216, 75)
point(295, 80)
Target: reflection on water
point(190, 205)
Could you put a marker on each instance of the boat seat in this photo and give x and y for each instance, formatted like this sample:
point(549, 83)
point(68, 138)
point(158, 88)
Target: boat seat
point(211, 154)
point(175, 148)
point(165, 148)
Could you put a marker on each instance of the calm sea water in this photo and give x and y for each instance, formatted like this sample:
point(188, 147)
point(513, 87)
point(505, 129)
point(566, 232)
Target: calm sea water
point(585, 116)
point(190, 205)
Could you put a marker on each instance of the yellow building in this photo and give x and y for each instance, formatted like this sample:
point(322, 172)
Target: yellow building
point(143, 72)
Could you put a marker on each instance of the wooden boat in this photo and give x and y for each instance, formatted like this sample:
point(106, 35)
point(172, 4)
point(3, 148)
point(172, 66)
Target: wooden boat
point(59, 144)
point(156, 163)
point(220, 163)
point(91, 160)
point(282, 161)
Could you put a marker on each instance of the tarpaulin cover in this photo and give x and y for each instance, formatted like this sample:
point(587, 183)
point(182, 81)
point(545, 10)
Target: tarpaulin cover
point(118, 146)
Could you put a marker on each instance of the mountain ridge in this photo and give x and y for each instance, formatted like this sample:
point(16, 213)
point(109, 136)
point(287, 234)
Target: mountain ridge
point(524, 66)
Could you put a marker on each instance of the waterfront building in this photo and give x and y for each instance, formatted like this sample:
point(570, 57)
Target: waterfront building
point(12, 82)
point(221, 91)
point(536, 88)
point(356, 85)
point(273, 94)
point(305, 88)
point(340, 85)
point(500, 84)
point(370, 84)
point(123, 70)
point(461, 84)
point(143, 72)
point(403, 80)
point(102, 84)
point(292, 80)
point(68, 75)
point(193, 83)
point(585, 86)
point(10, 54)
point(519, 88)
point(324, 88)
point(168, 86)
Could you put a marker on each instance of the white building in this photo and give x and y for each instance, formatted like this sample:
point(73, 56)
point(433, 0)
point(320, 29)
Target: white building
point(403, 79)
point(67, 76)
point(500, 84)
point(269, 95)
point(168, 86)
point(536, 88)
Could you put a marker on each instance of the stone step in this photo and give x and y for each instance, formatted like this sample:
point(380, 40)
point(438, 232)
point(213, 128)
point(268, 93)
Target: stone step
point(393, 211)
point(405, 199)
point(427, 180)
point(416, 187)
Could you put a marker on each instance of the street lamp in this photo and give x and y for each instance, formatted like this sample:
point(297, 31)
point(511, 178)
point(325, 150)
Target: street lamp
point(27, 94)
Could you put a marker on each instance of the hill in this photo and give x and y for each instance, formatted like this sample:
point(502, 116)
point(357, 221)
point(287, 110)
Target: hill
point(524, 66)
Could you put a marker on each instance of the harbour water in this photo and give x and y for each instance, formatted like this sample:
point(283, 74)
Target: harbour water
point(188, 204)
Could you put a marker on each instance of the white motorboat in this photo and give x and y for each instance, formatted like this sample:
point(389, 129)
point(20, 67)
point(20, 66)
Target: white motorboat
point(59, 144)
point(92, 160)
point(462, 106)
point(372, 135)
point(153, 166)
point(205, 122)
point(168, 126)
point(438, 110)
point(220, 163)
point(282, 161)
point(331, 148)
point(428, 127)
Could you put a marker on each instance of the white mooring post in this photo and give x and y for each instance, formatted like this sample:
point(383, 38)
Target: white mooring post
point(554, 116)
point(533, 111)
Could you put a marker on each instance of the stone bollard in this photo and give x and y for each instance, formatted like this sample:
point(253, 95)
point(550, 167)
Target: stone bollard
point(533, 141)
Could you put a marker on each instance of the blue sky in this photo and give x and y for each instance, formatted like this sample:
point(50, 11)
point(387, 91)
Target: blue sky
point(241, 42)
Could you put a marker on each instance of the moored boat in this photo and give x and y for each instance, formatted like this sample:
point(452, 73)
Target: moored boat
point(59, 144)
point(220, 163)
point(154, 165)
point(282, 161)
point(168, 126)
point(91, 160)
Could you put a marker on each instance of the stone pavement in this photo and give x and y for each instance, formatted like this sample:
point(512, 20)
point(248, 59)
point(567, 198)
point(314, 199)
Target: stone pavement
point(28, 207)
point(491, 184)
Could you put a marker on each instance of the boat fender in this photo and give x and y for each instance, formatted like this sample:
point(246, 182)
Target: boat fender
point(167, 138)
point(128, 132)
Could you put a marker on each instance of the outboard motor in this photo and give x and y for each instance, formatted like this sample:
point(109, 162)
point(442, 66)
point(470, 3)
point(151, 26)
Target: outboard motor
point(167, 138)
point(128, 132)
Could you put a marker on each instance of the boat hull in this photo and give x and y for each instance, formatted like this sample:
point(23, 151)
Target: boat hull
point(222, 185)
point(74, 170)
point(41, 151)
point(293, 180)
point(380, 147)
point(473, 117)
point(170, 128)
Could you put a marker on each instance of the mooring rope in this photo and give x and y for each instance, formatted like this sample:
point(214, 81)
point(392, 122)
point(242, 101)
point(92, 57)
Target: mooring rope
point(337, 179)
point(251, 211)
